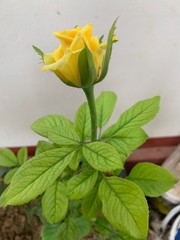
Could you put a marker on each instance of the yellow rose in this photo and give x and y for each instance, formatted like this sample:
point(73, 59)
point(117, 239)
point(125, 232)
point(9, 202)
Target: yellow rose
point(78, 50)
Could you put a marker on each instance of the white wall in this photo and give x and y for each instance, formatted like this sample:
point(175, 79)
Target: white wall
point(145, 61)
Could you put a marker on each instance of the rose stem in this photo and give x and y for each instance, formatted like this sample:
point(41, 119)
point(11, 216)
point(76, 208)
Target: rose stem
point(92, 107)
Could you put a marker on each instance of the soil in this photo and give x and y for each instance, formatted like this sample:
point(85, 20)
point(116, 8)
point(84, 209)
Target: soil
point(14, 225)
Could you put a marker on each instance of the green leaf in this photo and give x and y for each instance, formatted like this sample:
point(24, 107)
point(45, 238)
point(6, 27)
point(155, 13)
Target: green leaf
point(63, 136)
point(7, 158)
point(91, 204)
point(2, 188)
point(103, 227)
point(105, 104)
point(36, 175)
point(74, 207)
point(67, 230)
point(43, 146)
point(83, 226)
point(55, 203)
point(127, 141)
point(39, 52)
point(108, 52)
point(22, 155)
point(83, 121)
point(123, 236)
point(152, 179)
point(107, 231)
point(136, 116)
point(43, 125)
point(79, 185)
point(3, 170)
point(74, 163)
point(87, 68)
point(102, 156)
point(49, 231)
point(9, 175)
point(124, 206)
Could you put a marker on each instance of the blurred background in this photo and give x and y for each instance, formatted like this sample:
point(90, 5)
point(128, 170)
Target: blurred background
point(145, 62)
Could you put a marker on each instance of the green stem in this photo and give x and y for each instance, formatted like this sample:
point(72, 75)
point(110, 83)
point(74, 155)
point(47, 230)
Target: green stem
point(92, 107)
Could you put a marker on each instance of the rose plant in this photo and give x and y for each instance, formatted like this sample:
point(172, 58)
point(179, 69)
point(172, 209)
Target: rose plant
point(76, 172)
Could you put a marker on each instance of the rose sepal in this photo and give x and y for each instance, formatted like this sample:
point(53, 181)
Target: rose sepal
point(87, 68)
point(106, 60)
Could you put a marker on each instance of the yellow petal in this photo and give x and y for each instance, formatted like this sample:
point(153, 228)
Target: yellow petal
point(94, 43)
point(83, 36)
point(66, 37)
point(66, 68)
point(58, 53)
point(98, 58)
point(87, 31)
point(67, 34)
point(70, 68)
point(48, 58)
